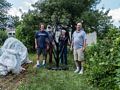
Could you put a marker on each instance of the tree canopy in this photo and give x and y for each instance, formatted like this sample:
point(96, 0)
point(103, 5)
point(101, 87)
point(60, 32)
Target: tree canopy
point(4, 7)
point(66, 13)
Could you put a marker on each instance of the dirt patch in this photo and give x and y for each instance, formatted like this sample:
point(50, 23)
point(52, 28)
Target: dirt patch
point(11, 81)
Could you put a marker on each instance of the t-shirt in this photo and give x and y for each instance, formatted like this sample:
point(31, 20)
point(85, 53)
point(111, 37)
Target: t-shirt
point(78, 39)
point(42, 38)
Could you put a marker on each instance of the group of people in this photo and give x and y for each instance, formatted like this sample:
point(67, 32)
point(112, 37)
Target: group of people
point(45, 43)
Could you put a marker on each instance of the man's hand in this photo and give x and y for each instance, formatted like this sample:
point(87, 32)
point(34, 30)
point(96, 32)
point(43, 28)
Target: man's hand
point(36, 46)
point(83, 49)
point(71, 48)
point(47, 47)
point(69, 43)
point(53, 43)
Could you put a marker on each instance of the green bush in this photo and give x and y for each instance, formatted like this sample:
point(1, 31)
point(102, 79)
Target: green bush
point(3, 37)
point(26, 34)
point(103, 62)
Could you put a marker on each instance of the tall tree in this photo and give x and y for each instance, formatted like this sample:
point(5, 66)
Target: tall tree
point(96, 20)
point(16, 20)
point(71, 9)
point(4, 7)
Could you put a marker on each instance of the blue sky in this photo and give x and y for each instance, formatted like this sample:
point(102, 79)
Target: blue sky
point(112, 4)
point(24, 5)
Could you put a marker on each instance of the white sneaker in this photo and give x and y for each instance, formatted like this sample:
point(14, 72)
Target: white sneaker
point(43, 62)
point(76, 71)
point(81, 72)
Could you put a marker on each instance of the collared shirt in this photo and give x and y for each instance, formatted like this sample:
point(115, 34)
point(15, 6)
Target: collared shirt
point(78, 39)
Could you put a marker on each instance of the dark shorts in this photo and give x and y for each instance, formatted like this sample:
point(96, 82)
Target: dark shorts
point(41, 51)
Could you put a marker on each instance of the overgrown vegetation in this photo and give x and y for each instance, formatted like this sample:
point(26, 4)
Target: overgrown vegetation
point(3, 36)
point(103, 62)
point(44, 79)
point(4, 7)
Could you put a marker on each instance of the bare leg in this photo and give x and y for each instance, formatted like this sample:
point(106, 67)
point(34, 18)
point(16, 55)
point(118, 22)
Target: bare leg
point(44, 56)
point(77, 63)
point(38, 59)
point(82, 68)
point(82, 64)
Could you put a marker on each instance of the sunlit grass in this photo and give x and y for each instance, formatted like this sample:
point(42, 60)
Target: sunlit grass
point(44, 79)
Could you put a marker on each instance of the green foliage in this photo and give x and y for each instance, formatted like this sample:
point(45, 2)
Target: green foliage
point(103, 62)
point(73, 11)
point(95, 20)
point(4, 7)
point(25, 32)
point(3, 36)
point(64, 11)
point(16, 20)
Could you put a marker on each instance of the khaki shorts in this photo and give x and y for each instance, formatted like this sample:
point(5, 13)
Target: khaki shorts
point(78, 54)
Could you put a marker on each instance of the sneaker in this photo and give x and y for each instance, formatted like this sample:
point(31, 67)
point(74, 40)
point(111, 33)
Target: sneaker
point(44, 63)
point(76, 71)
point(81, 72)
point(37, 66)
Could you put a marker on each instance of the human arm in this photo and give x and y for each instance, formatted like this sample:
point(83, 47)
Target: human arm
point(84, 42)
point(72, 42)
point(36, 46)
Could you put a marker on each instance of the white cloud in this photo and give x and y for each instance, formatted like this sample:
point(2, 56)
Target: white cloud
point(32, 1)
point(115, 13)
point(14, 12)
point(27, 5)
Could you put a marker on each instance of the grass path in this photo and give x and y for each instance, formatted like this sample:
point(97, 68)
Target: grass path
point(44, 79)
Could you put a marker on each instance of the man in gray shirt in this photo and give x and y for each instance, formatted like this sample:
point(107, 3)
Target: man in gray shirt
point(79, 44)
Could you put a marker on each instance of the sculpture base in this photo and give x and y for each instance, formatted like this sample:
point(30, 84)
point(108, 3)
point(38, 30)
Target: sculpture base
point(58, 68)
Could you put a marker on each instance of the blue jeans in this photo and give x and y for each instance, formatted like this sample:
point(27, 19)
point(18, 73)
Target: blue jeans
point(63, 57)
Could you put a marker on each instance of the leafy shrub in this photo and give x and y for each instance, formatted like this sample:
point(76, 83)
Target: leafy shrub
point(25, 33)
point(103, 62)
point(3, 36)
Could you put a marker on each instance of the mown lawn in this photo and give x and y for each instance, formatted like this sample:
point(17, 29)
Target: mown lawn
point(44, 79)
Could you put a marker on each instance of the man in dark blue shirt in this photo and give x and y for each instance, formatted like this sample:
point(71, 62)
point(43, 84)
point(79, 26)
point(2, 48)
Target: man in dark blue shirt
point(41, 44)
